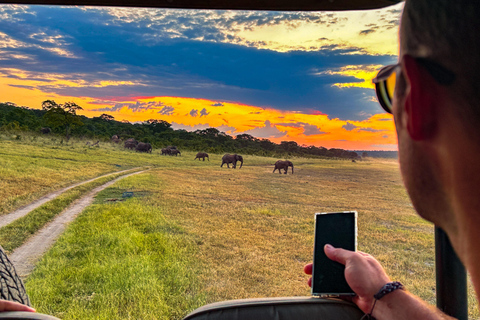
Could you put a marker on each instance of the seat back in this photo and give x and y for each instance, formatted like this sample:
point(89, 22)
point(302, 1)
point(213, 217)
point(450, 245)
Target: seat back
point(291, 308)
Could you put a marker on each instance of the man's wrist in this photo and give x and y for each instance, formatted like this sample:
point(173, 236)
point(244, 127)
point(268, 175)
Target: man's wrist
point(387, 290)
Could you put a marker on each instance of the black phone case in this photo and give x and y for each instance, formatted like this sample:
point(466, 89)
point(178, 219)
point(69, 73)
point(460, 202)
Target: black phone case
point(340, 230)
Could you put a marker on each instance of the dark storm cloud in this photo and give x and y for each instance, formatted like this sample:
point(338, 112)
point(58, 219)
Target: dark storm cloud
point(119, 51)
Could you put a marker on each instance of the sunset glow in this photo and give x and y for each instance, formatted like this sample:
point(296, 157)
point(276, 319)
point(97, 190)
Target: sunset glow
point(303, 77)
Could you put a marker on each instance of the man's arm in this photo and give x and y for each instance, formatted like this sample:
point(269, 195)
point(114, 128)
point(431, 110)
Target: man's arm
point(366, 277)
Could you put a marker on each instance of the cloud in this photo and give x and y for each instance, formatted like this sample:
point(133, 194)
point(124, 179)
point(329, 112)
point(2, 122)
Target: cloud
point(370, 130)
point(217, 104)
point(366, 32)
point(349, 126)
point(167, 110)
point(194, 112)
point(227, 129)
point(200, 126)
point(392, 147)
point(268, 131)
point(308, 129)
point(204, 112)
point(140, 107)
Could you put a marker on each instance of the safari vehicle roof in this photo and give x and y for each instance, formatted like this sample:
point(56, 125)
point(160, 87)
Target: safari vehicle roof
point(277, 5)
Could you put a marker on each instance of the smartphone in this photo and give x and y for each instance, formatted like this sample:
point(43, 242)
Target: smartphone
point(340, 230)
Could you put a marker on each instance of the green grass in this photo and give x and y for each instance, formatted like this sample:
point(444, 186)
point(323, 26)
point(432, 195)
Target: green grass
point(197, 233)
point(16, 233)
point(119, 261)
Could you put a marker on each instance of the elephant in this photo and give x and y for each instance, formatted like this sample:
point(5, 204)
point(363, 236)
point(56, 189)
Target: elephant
point(130, 144)
point(174, 152)
point(280, 164)
point(45, 130)
point(202, 155)
point(115, 139)
point(165, 151)
point(232, 158)
point(144, 147)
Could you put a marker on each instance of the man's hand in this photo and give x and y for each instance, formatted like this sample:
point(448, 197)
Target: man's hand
point(14, 306)
point(363, 273)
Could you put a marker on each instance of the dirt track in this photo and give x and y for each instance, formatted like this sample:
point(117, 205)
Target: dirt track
point(9, 218)
point(25, 257)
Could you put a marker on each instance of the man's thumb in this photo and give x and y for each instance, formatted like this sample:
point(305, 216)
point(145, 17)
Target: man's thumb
point(338, 255)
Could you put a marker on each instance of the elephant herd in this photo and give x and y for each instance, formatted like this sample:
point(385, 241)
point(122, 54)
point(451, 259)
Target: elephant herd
point(137, 145)
point(171, 151)
point(227, 159)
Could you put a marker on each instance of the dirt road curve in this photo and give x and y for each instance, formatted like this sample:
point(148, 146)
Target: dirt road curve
point(9, 218)
point(25, 257)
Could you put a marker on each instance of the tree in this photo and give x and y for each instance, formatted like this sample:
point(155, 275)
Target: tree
point(157, 126)
point(289, 146)
point(62, 115)
point(107, 117)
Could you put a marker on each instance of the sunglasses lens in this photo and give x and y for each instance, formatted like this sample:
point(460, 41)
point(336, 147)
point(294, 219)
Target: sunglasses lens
point(390, 85)
point(385, 90)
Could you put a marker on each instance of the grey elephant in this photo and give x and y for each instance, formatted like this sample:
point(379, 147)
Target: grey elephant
point(115, 139)
point(202, 155)
point(144, 147)
point(45, 130)
point(165, 151)
point(130, 144)
point(280, 164)
point(232, 158)
point(174, 152)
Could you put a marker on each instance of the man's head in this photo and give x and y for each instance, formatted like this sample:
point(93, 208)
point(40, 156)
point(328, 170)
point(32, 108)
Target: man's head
point(447, 31)
point(433, 116)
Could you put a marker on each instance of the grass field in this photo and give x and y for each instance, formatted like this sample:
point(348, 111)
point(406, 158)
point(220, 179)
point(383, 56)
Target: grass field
point(196, 233)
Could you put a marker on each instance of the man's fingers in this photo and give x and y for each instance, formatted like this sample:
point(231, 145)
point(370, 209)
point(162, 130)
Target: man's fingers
point(14, 306)
point(308, 268)
point(337, 254)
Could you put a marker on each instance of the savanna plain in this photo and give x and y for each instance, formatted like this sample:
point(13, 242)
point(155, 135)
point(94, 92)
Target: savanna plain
point(194, 233)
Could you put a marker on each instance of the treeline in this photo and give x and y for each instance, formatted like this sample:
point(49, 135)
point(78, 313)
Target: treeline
point(63, 121)
point(379, 154)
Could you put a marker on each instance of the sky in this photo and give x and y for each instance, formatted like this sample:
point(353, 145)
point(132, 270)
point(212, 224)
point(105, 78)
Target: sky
point(284, 76)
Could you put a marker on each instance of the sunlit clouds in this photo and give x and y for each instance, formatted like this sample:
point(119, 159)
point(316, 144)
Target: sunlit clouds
point(300, 76)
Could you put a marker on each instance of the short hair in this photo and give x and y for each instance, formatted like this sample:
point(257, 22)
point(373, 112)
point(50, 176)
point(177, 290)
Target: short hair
point(448, 31)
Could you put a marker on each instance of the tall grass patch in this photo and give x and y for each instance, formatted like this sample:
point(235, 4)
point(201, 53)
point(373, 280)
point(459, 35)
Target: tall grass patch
point(119, 261)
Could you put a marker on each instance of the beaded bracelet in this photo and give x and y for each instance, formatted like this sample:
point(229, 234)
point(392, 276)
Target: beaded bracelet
point(386, 289)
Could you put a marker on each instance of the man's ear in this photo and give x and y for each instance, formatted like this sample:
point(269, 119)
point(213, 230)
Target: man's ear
point(420, 100)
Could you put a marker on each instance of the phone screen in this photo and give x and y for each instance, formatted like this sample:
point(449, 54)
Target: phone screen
point(340, 230)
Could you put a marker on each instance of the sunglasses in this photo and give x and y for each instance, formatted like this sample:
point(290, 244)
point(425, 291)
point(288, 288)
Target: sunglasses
point(386, 80)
